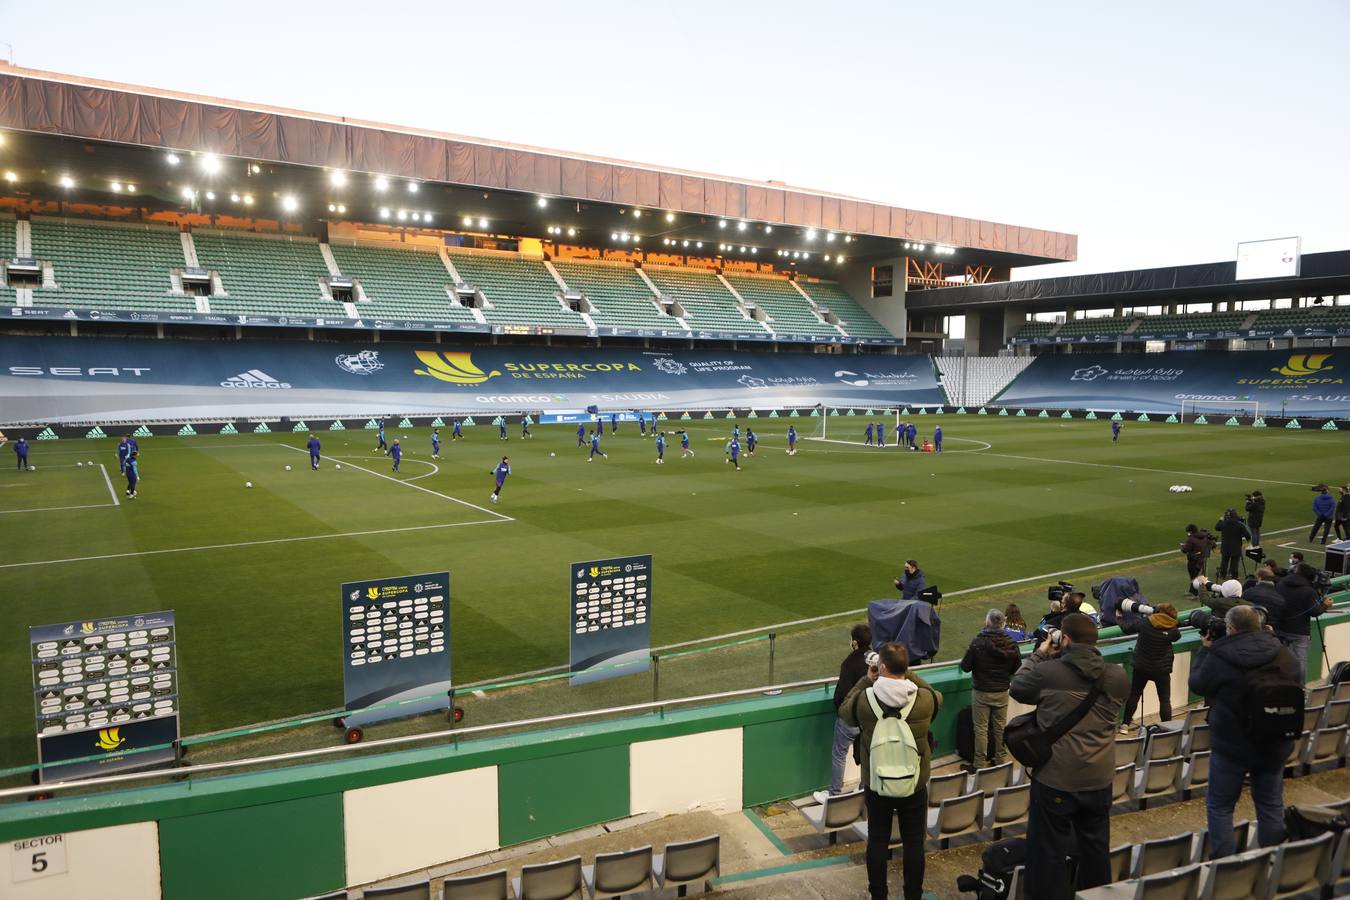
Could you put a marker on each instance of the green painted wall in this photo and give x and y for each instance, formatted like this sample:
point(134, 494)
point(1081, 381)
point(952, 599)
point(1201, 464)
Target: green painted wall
point(789, 757)
point(277, 850)
point(547, 796)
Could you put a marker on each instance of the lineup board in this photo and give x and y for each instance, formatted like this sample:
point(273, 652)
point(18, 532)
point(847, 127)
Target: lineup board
point(103, 688)
point(396, 646)
point(610, 604)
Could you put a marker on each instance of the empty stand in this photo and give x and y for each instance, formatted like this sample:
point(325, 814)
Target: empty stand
point(708, 305)
point(976, 380)
point(1100, 325)
point(856, 321)
point(1228, 321)
point(266, 274)
point(519, 290)
point(1036, 329)
point(111, 265)
point(401, 282)
point(788, 311)
point(619, 296)
point(7, 225)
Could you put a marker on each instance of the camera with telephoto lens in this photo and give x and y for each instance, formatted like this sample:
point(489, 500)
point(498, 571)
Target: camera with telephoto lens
point(1210, 626)
point(1130, 605)
point(1054, 636)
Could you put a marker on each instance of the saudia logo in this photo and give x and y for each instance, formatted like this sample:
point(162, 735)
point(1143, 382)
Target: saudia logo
point(456, 368)
point(1301, 364)
point(110, 739)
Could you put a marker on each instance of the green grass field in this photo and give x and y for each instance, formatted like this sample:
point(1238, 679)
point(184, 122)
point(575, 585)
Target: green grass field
point(254, 574)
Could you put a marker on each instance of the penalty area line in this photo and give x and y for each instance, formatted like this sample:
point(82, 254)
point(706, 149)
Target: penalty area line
point(108, 481)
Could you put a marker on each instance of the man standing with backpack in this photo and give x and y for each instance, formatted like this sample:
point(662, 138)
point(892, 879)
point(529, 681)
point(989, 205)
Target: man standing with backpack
point(893, 709)
point(1071, 684)
point(1250, 682)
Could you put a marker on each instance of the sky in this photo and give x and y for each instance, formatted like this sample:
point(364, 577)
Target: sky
point(1160, 133)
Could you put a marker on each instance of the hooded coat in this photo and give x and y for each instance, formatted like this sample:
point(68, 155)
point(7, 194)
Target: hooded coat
point(1154, 637)
point(1085, 758)
point(991, 658)
point(1219, 674)
point(893, 694)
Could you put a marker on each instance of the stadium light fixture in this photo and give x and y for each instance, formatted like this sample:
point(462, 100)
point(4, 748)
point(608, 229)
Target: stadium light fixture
point(468, 221)
point(188, 193)
point(848, 238)
point(210, 164)
point(741, 226)
point(482, 223)
point(838, 260)
point(341, 208)
point(11, 176)
point(670, 217)
point(131, 188)
point(417, 217)
point(754, 251)
point(685, 244)
point(613, 235)
point(623, 237)
point(542, 202)
point(721, 223)
point(116, 187)
point(289, 203)
point(426, 217)
point(67, 182)
point(381, 183)
point(810, 234)
point(171, 158)
point(234, 198)
point(571, 232)
point(827, 257)
point(768, 229)
point(332, 207)
point(636, 238)
point(210, 195)
point(806, 256)
point(637, 213)
point(255, 168)
point(338, 178)
point(384, 212)
point(248, 199)
point(829, 237)
point(412, 187)
point(699, 245)
point(742, 249)
point(402, 215)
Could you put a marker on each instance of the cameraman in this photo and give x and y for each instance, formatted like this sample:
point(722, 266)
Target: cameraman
point(1063, 601)
point(1155, 633)
point(1221, 673)
point(1256, 514)
point(911, 582)
point(1220, 598)
point(1196, 549)
point(1302, 603)
point(1231, 531)
point(1071, 795)
point(1261, 592)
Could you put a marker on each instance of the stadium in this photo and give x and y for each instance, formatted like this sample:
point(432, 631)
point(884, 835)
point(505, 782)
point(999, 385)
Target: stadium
point(353, 458)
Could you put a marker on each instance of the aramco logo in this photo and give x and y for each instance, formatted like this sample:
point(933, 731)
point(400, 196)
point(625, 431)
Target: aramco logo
point(456, 368)
point(1304, 364)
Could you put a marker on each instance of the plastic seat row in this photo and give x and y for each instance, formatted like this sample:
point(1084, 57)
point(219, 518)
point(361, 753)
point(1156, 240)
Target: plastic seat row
point(636, 871)
point(400, 281)
point(618, 295)
point(855, 320)
point(950, 817)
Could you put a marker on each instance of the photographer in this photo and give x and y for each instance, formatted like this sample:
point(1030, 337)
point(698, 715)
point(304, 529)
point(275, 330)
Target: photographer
point(991, 658)
point(1256, 514)
point(1064, 600)
point(1071, 795)
point(1155, 631)
point(1302, 603)
point(1343, 514)
point(1220, 597)
point(911, 583)
point(1232, 530)
point(1245, 676)
point(1196, 548)
point(1260, 592)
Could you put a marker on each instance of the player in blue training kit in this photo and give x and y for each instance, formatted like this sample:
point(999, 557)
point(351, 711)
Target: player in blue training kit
point(613, 423)
point(1115, 431)
point(937, 439)
point(750, 441)
point(135, 447)
point(912, 433)
point(435, 444)
point(133, 473)
point(900, 435)
point(867, 442)
point(456, 433)
point(21, 454)
point(642, 424)
point(595, 445)
point(735, 432)
point(501, 428)
point(525, 427)
point(382, 445)
point(792, 441)
point(397, 453)
point(734, 453)
point(660, 448)
point(684, 444)
point(581, 435)
point(881, 435)
point(313, 452)
point(501, 470)
point(123, 451)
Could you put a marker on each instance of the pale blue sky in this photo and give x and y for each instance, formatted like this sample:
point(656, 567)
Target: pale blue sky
point(1159, 132)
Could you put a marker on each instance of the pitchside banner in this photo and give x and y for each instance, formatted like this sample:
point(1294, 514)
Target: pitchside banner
point(104, 689)
point(611, 602)
point(55, 379)
point(1290, 383)
point(396, 646)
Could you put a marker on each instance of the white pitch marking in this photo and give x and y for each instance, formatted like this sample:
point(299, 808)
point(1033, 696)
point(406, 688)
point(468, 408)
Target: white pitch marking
point(434, 468)
point(6, 512)
point(1074, 462)
point(311, 537)
point(416, 487)
point(108, 482)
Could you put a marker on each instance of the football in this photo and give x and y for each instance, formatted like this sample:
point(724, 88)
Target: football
point(248, 484)
point(288, 468)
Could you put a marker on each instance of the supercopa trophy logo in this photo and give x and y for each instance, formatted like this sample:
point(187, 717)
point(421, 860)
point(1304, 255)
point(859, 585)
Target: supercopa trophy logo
point(366, 362)
point(454, 367)
point(1302, 364)
point(110, 739)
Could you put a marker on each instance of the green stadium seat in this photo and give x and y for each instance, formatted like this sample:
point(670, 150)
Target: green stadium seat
point(264, 274)
point(401, 282)
point(856, 321)
point(620, 298)
point(108, 265)
point(708, 305)
point(789, 312)
point(519, 290)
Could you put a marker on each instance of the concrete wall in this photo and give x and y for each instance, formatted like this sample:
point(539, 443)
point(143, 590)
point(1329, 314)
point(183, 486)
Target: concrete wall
point(889, 311)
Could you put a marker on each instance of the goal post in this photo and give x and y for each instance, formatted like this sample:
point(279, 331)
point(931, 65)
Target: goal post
point(1193, 409)
point(852, 429)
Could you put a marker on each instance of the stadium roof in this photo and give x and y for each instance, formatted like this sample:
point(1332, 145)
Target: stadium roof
point(86, 123)
point(1320, 274)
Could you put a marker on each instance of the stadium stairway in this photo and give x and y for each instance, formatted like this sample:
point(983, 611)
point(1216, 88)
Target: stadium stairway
point(976, 380)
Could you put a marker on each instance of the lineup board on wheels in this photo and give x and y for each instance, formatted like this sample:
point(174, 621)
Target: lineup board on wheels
point(107, 689)
point(611, 623)
point(396, 646)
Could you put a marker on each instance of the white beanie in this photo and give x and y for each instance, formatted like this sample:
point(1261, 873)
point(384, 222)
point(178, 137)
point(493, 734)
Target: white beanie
point(1231, 588)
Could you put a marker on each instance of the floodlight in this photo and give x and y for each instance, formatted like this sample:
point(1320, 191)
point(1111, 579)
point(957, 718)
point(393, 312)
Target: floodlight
point(829, 238)
point(721, 223)
point(116, 187)
point(670, 217)
point(67, 182)
point(571, 232)
point(131, 188)
point(11, 177)
point(210, 195)
point(384, 212)
point(188, 193)
point(542, 202)
point(426, 217)
point(482, 223)
point(171, 158)
point(338, 178)
point(810, 234)
point(741, 226)
point(248, 199)
point(768, 229)
point(468, 221)
point(210, 164)
point(381, 183)
point(412, 187)
point(403, 215)
point(289, 203)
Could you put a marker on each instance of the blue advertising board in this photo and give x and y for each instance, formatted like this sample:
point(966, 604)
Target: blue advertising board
point(396, 647)
point(105, 690)
point(610, 613)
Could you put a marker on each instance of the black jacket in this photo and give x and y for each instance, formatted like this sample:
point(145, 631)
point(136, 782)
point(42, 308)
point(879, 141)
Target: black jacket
point(1152, 645)
point(991, 658)
point(850, 670)
point(1301, 603)
point(1265, 595)
point(1231, 533)
point(1343, 507)
point(1219, 675)
point(1256, 511)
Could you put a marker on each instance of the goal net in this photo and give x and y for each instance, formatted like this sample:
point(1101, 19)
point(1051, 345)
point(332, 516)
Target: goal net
point(853, 429)
point(1193, 409)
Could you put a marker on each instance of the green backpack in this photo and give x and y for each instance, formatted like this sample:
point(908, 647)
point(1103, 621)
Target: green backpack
point(893, 756)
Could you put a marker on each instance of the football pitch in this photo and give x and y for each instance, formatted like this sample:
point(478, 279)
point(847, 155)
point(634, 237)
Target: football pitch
point(254, 574)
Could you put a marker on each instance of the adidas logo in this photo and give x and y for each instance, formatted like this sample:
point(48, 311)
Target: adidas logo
point(255, 379)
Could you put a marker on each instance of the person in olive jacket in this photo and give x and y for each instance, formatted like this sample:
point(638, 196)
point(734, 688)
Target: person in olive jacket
point(991, 658)
point(1152, 659)
point(894, 686)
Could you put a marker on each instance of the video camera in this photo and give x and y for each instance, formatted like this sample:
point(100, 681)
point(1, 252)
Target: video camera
point(1055, 593)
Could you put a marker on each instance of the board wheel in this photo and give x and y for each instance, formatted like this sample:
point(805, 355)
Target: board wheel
point(457, 714)
point(354, 735)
